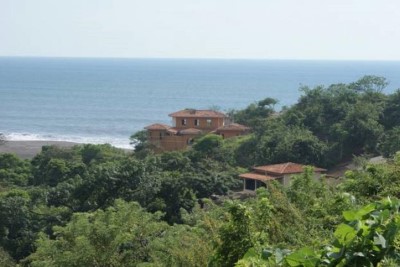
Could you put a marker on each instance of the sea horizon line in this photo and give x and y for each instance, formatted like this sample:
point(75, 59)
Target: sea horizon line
point(198, 58)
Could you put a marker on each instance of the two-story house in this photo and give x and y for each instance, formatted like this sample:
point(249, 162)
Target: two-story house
point(188, 124)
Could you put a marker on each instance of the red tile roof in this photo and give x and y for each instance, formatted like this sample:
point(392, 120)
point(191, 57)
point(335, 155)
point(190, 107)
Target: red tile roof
point(256, 176)
point(190, 131)
point(285, 168)
point(193, 113)
point(172, 130)
point(158, 126)
point(233, 127)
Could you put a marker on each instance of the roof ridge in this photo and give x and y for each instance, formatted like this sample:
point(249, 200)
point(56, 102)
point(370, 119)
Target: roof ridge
point(159, 124)
point(284, 167)
point(194, 112)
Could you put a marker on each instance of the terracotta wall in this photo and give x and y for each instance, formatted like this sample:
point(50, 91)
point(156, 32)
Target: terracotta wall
point(174, 142)
point(203, 125)
point(168, 142)
point(154, 135)
point(230, 133)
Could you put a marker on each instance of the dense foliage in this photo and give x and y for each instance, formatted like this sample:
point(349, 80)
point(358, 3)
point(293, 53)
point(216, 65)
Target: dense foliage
point(326, 126)
point(95, 205)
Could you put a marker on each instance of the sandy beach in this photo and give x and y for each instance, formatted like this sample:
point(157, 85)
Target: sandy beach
point(28, 149)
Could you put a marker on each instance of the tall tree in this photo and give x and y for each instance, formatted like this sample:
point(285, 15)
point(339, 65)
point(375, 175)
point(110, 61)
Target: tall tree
point(391, 113)
point(390, 142)
point(118, 236)
point(255, 113)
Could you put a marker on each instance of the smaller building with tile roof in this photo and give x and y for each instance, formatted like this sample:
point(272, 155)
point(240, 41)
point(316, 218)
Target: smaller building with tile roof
point(280, 172)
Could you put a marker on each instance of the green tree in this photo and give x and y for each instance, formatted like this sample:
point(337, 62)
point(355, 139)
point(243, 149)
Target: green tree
point(121, 235)
point(375, 181)
point(370, 83)
point(292, 144)
point(175, 161)
point(54, 165)
point(390, 142)
point(391, 113)
point(211, 177)
point(17, 229)
point(346, 117)
point(362, 125)
point(99, 153)
point(141, 144)
point(320, 204)
point(235, 237)
point(367, 237)
point(255, 113)
point(208, 144)
point(14, 171)
point(173, 196)
point(182, 245)
point(245, 153)
point(5, 259)
point(130, 179)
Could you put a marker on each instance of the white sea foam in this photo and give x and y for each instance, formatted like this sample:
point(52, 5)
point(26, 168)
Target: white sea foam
point(120, 143)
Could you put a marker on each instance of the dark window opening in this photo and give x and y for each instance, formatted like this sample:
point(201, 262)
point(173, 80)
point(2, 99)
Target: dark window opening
point(196, 122)
point(260, 184)
point(190, 141)
point(250, 184)
point(184, 122)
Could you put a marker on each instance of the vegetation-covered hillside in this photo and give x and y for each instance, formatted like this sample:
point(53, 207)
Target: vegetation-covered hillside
point(94, 205)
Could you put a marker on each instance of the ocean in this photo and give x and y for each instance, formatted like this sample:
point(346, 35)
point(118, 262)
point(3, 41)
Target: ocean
point(106, 100)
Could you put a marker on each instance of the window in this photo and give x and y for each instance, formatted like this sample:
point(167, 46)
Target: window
point(260, 184)
point(250, 184)
point(196, 122)
point(208, 122)
point(190, 141)
point(161, 135)
point(184, 122)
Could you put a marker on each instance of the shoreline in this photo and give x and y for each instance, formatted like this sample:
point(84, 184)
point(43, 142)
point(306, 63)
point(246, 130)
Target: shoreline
point(29, 149)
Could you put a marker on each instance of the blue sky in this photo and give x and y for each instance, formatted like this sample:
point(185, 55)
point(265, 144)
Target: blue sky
point(258, 29)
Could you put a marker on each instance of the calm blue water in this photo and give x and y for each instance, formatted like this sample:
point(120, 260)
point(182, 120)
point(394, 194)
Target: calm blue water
point(106, 100)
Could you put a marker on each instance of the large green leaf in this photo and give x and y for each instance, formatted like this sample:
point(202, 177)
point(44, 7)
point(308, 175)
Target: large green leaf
point(350, 215)
point(345, 234)
point(251, 253)
point(305, 257)
point(353, 215)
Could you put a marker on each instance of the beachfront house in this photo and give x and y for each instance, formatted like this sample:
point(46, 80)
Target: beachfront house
point(280, 172)
point(188, 124)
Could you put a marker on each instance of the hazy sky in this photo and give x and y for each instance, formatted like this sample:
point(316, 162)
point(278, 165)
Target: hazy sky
point(269, 29)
